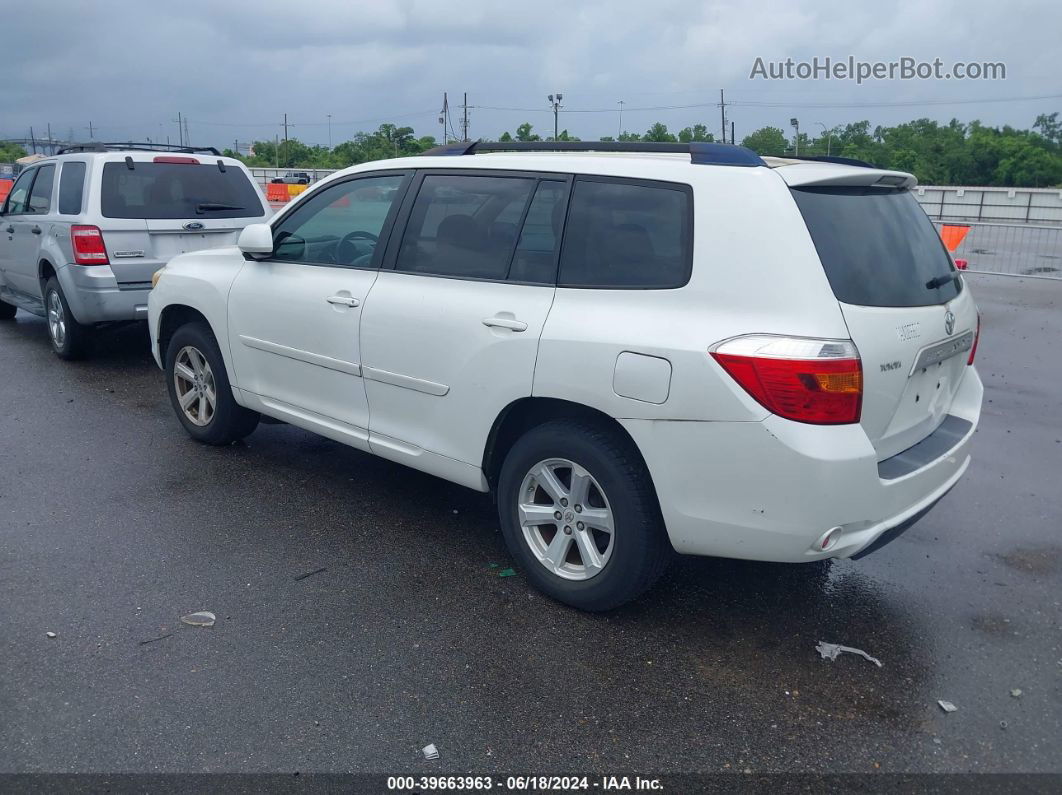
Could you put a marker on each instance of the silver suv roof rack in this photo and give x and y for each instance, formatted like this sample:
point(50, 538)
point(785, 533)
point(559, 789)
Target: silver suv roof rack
point(96, 146)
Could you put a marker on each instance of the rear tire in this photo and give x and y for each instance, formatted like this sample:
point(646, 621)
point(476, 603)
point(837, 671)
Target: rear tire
point(199, 388)
point(608, 545)
point(70, 340)
point(7, 311)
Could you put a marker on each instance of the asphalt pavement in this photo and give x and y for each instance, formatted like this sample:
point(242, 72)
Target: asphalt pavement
point(113, 524)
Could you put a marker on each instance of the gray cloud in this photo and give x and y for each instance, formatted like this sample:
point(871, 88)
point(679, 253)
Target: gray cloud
point(233, 68)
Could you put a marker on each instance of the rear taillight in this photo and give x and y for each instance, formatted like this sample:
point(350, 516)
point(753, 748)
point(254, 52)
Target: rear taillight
point(977, 339)
point(87, 242)
point(807, 380)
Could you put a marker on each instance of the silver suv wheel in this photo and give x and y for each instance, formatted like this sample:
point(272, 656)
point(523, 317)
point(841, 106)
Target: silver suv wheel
point(56, 319)
point(566, 519)
point(194, 382)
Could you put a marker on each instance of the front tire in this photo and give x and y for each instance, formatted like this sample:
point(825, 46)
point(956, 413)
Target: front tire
point(579, 514)
point(70, 340)
point(199, 388)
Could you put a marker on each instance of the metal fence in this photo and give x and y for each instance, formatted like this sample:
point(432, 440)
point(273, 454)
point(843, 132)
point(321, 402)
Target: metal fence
point(1013, 249)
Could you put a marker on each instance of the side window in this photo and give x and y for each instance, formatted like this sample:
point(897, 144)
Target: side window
point(536, 253)
point(16, 200)
point(627, 234)
point(40, 199)
point(341, 225)
point(71, 188)
point(464, 226)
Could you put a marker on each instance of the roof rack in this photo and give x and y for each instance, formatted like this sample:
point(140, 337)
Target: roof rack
point(700, 152)
point(843, 161)
point(97, 146)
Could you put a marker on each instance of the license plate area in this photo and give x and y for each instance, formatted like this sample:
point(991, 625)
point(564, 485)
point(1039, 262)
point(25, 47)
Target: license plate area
point(941, 351)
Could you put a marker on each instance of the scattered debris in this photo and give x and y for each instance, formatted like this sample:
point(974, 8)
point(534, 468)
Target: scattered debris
point(430, 751)
point(507, 573)
point(1016, 692)
point(310, 574)
point(1003, 725)
point(947, 706)
point(155, 640)
point(830, 651)
point(493, 565)
point(51, 634)
point(203, 618)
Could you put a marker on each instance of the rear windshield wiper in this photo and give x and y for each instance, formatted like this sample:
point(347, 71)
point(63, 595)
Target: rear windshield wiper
point(940, 281)
point(202, 206)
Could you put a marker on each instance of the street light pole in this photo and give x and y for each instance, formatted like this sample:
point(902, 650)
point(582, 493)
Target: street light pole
point(619, 131)
point(796, 141)
point(828, 134)
point(329, 131)
point(556, 113)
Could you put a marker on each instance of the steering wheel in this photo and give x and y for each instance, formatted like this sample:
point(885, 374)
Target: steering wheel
point(347, 251)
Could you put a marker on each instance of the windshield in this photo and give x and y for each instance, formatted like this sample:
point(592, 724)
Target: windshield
point(177, 190)
point(877, 246)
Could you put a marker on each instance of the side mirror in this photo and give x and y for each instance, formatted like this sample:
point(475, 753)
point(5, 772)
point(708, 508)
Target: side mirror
point(256, 239)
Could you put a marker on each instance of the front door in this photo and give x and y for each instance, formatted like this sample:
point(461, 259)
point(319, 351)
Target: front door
point(294, 316)
point(29, 199)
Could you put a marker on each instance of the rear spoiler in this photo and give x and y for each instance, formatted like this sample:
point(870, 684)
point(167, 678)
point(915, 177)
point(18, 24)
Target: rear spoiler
point(805, 174)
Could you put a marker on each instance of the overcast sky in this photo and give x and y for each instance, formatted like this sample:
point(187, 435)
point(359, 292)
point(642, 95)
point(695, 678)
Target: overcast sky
point(234, 68)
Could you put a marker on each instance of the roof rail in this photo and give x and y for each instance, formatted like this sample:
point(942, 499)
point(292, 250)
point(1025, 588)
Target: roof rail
point(97, 146)
point(700, 152)
point(843, 161)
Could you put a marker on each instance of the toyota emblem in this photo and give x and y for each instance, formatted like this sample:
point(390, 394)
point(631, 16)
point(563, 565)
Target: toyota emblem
point(949, 322)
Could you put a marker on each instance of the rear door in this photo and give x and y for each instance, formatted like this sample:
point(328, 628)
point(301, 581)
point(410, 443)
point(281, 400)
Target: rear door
point(30, 227)
point(155, 209)
point(905, 305)
point(450, 332)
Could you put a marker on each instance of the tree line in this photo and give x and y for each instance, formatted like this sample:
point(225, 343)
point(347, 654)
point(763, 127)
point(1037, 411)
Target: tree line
point(955, 153)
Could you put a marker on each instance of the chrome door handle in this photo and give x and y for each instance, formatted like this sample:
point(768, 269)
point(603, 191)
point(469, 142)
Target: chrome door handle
point(36, 230)
point(504, 322)
point(342, 300)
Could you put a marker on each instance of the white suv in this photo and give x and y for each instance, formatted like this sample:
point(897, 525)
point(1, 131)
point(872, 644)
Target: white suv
point(81, 233)
point(679, 347)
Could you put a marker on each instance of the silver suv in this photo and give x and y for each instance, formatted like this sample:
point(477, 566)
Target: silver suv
point(82, 233)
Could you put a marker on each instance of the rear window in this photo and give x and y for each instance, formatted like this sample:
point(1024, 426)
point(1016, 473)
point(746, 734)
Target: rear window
point(626, 234)
point(876, 245)
point(177, 190)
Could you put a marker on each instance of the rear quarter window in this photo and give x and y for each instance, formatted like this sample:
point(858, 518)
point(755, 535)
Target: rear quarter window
point(177, 190)
point(877, 246)
point(627, 234)
point(71, 187)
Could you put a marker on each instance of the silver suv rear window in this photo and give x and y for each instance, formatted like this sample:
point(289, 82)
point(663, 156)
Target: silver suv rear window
point(877, 246)
point(177, 190)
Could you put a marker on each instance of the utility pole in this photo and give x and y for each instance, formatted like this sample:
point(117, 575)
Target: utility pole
point(90, 130)
point(329, 132)
point(236, 146)
point(51, 145)
point(33, 141)
point(464, 119)
point(556, 103)
point(187, 137)
point(796, 141)
point(619, 129)
point(722, 114)
point(733, 140)
point(180, 129)
point(443, 116)
point(286, 147)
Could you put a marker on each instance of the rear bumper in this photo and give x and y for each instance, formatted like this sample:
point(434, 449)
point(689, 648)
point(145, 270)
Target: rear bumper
point(770, 490)
point(95, 296)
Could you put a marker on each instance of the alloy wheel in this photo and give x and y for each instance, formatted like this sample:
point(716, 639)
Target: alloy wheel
point(566, 519)
point(194, 381)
